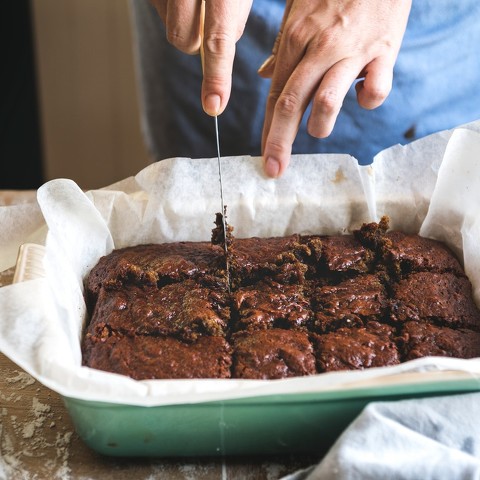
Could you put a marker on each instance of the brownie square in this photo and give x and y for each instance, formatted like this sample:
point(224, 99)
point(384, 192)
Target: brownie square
point(272, 354)
point(406, 253)
point(154, 264)
point(270, 304)
point(441, 298)
point(253, 258)
point(356, 348)
point(185, 310)
point(421, 339)
point(350, 303)
point(149, 357)
point(345, 254)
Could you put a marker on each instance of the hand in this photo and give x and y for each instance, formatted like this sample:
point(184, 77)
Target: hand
point(224, 24)
point(322, 47)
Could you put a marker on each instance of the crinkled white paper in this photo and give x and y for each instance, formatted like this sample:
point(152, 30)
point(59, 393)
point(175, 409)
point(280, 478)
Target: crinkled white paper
point(430, 186)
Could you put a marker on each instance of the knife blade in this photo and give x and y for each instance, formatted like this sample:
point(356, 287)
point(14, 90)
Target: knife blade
point(222, 204)
point(219, 162)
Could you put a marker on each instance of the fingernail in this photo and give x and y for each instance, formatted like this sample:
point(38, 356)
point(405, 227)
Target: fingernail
point(212, 104)
point(272, 167)
point(266, 64)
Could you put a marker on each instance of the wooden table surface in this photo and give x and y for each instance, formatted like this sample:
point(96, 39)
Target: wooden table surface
point(38, 441)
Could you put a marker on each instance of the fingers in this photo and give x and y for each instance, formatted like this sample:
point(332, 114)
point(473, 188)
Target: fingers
point(328, 98)
point(328, 93)
point(181, 19)
point(327, 90)
point(268, 66)
point(341, 39)
point(285, 109)
point(291, 53)
point(375, 88)
point(294, 81)
point(224, 24)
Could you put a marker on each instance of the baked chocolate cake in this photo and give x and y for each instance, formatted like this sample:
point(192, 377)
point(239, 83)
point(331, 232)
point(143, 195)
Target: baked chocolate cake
point(422, 339)
point(279, 258)
point(344, 253)
point(155, 264)
point(412, 253)
point(442, 298)
point(349, 303)
point(184, 310)
point(270, 354)
point(144, 357)
point(356, 348)
point(289, 306)
point(271, 304)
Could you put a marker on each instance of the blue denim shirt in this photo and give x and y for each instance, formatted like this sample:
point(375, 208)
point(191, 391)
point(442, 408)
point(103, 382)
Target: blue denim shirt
point(436, 86)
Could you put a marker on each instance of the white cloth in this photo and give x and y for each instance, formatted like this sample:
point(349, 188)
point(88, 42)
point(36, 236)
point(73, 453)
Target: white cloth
point(435, 438)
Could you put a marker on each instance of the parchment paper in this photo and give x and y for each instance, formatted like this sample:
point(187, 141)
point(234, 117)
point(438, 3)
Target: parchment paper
point(430, 186)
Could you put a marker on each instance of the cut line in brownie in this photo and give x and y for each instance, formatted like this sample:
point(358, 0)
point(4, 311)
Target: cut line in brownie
point(349, 303)
point(421, 339)
point(272, 354)
point(148, 357)
point(356, 348)
point(185, 310)
point(441, 298)
point(269, 304)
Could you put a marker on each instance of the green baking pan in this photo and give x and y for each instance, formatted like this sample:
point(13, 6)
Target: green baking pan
point(262, 425)
point(287, 422)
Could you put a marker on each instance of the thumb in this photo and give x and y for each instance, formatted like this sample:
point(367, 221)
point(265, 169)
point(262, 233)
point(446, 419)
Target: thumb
point(268, 66)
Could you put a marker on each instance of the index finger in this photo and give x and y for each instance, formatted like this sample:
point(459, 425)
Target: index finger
point(224, 22)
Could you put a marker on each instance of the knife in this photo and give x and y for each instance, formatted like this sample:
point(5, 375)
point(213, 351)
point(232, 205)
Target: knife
point(217, 138)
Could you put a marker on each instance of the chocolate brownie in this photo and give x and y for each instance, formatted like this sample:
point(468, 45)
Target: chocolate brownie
point(185, 310)
point(153, 264)
point(421, 339)
point(356, 348)
point(296, 305)
point(147, 357)
point(344, 253)
point(441, 298)
point(270, 354)
point(350, 303)
point(411, 253)
point(271, 304)
point(251, 259)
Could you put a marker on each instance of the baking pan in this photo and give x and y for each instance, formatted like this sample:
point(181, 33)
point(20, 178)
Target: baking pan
point(249, 421)
point(280, 424)
point(261, 425)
